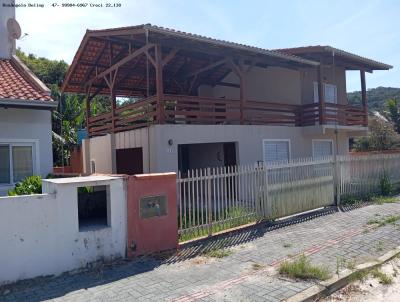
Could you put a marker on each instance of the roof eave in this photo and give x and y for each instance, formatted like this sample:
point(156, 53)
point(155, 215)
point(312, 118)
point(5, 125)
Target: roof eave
point(74, 61)
point(374, 64)
point(36, 104)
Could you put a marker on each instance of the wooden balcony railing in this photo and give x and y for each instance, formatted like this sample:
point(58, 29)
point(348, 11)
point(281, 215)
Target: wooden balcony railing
point(132, 116)
point(337, 114)
point(181, 109)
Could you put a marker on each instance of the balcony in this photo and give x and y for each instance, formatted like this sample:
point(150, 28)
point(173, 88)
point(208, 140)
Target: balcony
point(181, 109)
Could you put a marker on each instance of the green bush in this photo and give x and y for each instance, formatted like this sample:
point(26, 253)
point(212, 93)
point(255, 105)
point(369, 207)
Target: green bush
point(386, 185)
point(28, 186)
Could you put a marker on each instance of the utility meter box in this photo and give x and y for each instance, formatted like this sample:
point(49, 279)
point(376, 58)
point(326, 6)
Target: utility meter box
point(152, 214)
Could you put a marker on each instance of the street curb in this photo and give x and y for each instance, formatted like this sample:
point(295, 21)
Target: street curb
point(325, 288)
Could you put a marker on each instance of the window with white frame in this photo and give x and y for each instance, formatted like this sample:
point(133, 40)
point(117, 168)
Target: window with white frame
point(330, 91)
point(16, 162)
point(322, 148)
point(276, 151)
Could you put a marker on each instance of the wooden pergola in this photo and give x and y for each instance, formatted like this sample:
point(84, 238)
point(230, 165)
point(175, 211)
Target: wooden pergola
point(145, 61)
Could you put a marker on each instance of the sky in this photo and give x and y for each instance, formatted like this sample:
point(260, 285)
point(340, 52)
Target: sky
point(369, 28)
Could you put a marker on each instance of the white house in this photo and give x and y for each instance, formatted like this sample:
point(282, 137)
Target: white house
point(25, 113)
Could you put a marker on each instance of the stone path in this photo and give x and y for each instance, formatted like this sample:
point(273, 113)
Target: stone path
point(326, 237)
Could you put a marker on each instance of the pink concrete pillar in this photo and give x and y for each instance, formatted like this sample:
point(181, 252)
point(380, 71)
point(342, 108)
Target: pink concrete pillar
point(152, 214)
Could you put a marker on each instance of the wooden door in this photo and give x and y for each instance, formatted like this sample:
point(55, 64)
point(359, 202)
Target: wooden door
point(130, 161)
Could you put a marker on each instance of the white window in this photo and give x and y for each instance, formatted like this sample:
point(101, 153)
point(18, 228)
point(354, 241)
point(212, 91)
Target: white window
point(276, 150)
point(330, 91)
point(17, 161)
point(322, 148)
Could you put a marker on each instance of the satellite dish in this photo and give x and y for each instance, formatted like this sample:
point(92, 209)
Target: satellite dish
point(14, 30)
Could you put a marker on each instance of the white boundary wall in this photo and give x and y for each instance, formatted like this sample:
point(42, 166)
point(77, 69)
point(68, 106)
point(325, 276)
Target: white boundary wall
point(39, 234)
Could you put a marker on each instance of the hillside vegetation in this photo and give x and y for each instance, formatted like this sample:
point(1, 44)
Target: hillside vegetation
point(377, 97)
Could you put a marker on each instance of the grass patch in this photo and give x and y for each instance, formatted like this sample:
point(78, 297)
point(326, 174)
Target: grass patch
point(379, 246)
point(342, 262)
point(351, 264)
point(303, 269)
point(257, 266)
point(236, 217)
point(349, 200)
point(384, 199)
point(359, 276)
point(382, 277)
point(392, 219)
point(218, 253)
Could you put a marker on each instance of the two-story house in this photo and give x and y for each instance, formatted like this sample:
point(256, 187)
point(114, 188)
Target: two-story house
point(201, 102)
point(25, 113)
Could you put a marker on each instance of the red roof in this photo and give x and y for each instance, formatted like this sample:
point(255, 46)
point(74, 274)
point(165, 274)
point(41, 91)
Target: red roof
point(18, 83)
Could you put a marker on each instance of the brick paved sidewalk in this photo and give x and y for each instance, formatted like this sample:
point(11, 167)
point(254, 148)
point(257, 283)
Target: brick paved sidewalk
point(327, 238)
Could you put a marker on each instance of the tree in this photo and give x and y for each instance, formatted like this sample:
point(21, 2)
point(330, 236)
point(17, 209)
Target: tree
point(382, 136)
point(392, 113)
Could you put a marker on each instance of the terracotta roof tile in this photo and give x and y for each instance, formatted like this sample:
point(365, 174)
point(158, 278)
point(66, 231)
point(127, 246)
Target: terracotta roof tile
point(14, 85)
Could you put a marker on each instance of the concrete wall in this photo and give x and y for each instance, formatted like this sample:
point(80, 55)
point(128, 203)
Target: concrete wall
point(163, 157)
point(248, 138)
point(272, 84)
point(101, 149)
point(102, 152)
point(6, 46)
point(280, 85)
point(39, 234)
point(33, 126)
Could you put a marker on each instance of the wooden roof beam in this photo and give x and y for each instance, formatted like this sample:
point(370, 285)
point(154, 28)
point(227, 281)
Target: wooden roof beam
point(170, 56)
point(205, 68)
point(226, 84)
point(151, 59)
point(96, 60)
point(128, 73)
point(120, 63)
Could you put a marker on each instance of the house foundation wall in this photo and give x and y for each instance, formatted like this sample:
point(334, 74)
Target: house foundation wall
point(248, 139)
point(160, 143)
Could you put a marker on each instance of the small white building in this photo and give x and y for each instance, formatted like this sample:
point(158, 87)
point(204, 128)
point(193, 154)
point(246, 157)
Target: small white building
point(25, 113)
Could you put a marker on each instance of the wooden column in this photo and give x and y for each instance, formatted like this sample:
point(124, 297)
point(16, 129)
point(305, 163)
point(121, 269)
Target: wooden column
point(364, 96)
point(87, 110)
point(241, 73)
point(242, 77)
point(321, 96)
point(159, 85)
point(113, 107)
point(242, 97)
